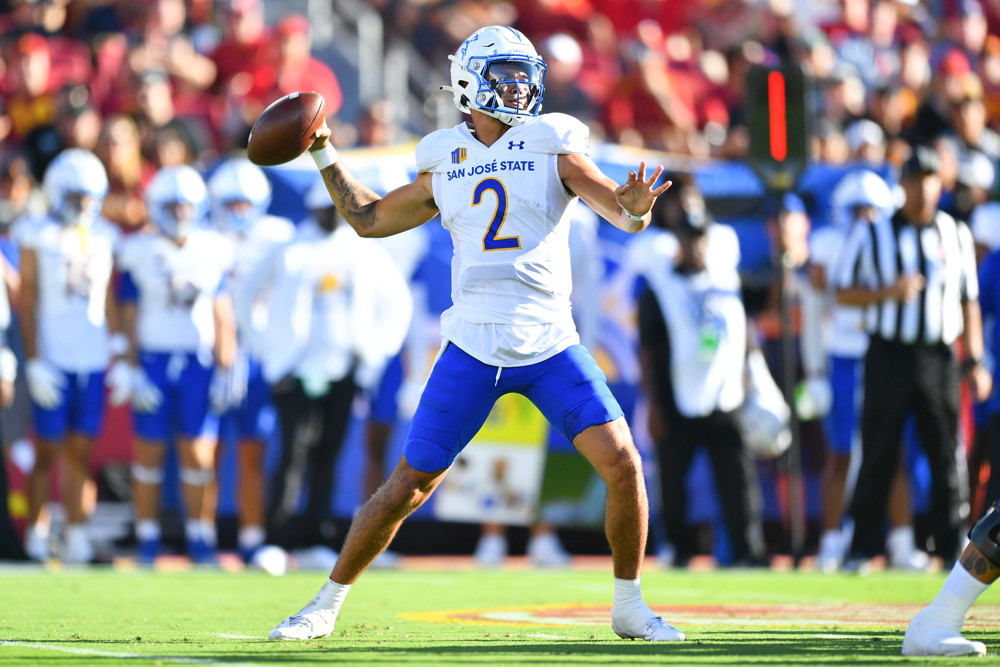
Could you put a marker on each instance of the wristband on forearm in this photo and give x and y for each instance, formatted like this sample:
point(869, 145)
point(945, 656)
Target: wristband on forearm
point(325, 157)
point(633, 216)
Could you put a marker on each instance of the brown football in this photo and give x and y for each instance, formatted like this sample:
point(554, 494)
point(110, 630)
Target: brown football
point(284, 129)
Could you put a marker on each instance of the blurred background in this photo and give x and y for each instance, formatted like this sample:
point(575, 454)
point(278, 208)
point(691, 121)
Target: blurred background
point(149, 84)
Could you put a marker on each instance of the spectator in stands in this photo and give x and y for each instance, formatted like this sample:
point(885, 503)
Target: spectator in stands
point(240, 194)
point(866, 143)
point(327, 294)
point(295, 69)
point(948, 87)
point(179, 320)
point(564, 58)
point(157, 119)
point(909, 366)
point(161, 42)
point(69, 323)
point(885, 108)
point(28, 87)
point(19, 192)
point(693, 351)
point(244, 61)
point(77, 124)
point(128, 172)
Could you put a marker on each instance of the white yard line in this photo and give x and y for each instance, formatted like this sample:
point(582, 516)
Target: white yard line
point(121, 654)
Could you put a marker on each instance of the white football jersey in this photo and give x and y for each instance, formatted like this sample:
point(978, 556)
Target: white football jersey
point(846, 336)
point(250, 249)
point(177, 286)
point(74, 268)
point(504, 206)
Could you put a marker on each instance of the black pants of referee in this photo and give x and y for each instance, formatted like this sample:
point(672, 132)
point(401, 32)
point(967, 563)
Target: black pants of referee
point(735, 482)
point(900, 380)
point(312, 432)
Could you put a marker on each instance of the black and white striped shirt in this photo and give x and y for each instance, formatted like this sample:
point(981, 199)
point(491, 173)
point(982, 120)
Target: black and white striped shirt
point(876, 254)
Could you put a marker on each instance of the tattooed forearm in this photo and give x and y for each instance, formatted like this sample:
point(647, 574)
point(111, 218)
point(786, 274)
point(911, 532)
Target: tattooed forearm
point(979, 565)
point(354, 200)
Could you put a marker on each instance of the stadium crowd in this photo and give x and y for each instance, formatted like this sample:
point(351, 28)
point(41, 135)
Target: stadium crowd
point(134, 235)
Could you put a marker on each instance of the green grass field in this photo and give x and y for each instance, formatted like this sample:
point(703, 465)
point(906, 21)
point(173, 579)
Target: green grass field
point(461, 616)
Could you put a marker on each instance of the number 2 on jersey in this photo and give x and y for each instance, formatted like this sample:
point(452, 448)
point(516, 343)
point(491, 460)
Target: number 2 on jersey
point(490, 240)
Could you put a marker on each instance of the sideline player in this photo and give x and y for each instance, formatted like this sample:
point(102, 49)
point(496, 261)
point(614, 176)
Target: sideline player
point(240, 194)
point(180, 322)
point(69, 318)
point(501, 185)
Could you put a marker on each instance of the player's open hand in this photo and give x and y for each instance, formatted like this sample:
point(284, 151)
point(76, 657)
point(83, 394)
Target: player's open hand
point(321, 137)
point(637, 194)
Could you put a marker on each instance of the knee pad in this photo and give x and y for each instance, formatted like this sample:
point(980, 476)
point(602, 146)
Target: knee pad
point(197, 476)
point(984, 533)
point(147, 474)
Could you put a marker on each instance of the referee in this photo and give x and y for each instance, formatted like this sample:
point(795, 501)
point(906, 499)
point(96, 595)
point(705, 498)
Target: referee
point(915, 275)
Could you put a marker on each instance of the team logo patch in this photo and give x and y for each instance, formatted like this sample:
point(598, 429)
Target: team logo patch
point(758, 614)
point(458, 155)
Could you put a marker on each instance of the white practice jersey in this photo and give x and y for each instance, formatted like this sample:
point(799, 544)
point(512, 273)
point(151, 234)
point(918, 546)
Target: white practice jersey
point(846, 336)
point(333, 300)
point(504, 206)
point(74, 269)
point(177, 286)
point(250, 250)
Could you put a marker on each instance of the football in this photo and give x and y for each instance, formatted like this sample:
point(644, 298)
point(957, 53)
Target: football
point(284, 129)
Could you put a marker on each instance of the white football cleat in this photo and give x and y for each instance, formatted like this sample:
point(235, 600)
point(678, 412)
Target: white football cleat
point(645, 625)
point(926, 636)
point(491, 550)
point(309, 623)
point(36, 544)
point(77, 548)
point(387, 560)
point(318, 558)
point(545, 550)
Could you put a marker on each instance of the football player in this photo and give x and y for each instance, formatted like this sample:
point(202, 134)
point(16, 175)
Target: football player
point(178, 315)
point(501, 185)
point(240, 194)
point(69, 323)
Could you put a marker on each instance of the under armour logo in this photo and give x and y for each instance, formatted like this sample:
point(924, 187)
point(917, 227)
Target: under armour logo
point(511, 144)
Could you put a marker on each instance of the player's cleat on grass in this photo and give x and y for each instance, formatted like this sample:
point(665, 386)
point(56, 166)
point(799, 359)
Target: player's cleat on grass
point(387, 560)
point(77, 548)
point(317, 558)
point(201, 552)
point(312, 622)
point(148, 551)
point(644, 624)
point(36, 544)
point(927, 636)
point(544, 550)
point(491, 550)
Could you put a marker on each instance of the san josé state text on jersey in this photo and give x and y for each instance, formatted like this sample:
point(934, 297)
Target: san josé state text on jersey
point(492, 167)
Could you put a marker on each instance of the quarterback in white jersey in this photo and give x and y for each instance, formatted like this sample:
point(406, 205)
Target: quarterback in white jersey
point(240, 194)
point(178, 313)
point(67, 315)
point(502, 185)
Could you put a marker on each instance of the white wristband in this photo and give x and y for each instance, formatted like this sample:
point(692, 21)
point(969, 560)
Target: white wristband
point(325, 157)
point(633, 216)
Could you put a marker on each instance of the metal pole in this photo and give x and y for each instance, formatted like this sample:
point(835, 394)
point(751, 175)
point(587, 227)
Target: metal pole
point(793, 458)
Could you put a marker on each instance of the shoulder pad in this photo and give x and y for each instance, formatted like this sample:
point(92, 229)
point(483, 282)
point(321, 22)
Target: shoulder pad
point(435, 149)
point(559, 133)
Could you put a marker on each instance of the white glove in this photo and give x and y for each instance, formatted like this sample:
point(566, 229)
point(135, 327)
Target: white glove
point(146, 396)
point(120, 380)
point(45, 383)
point(813, 398)
point(227, 389)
